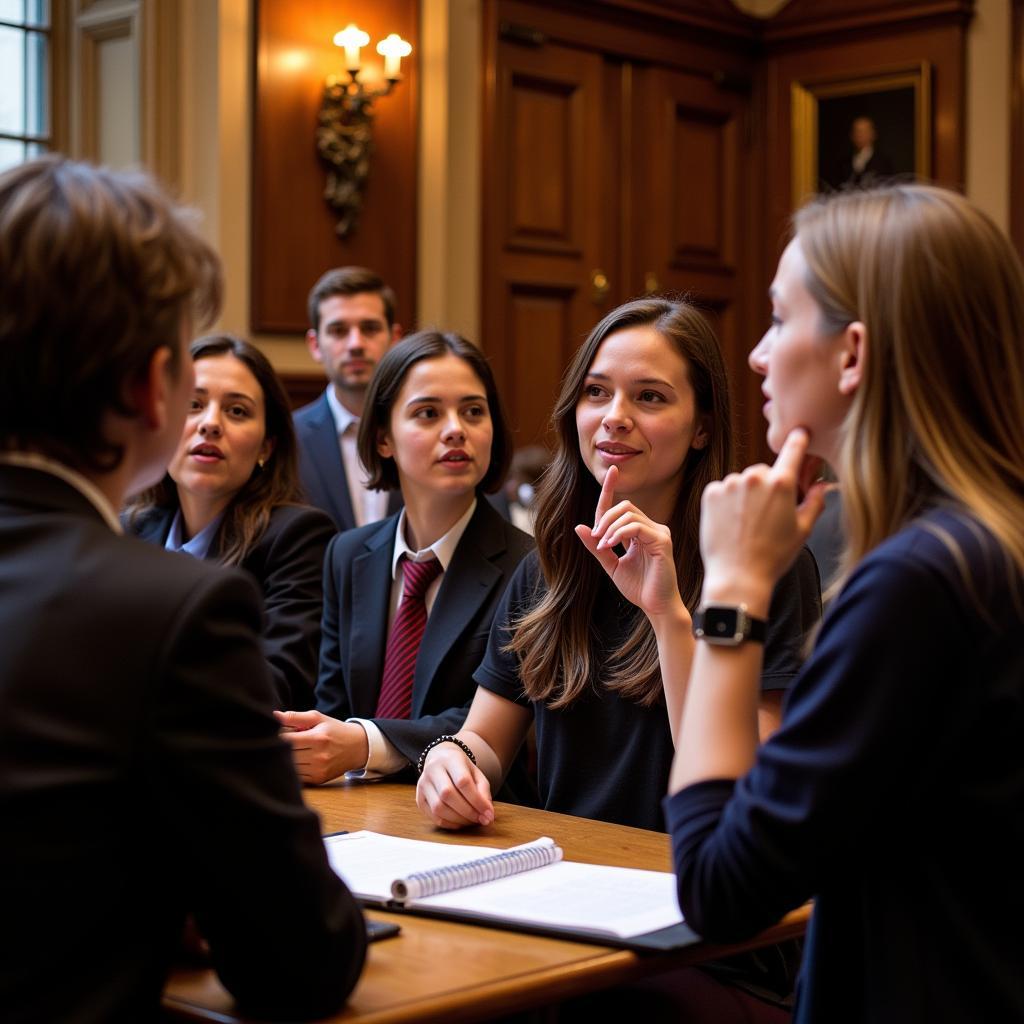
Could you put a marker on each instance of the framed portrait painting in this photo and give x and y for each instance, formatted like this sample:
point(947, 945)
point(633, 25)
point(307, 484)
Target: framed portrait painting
point(858, 131)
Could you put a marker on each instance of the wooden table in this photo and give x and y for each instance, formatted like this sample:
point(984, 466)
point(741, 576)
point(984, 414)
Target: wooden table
point(440, 970)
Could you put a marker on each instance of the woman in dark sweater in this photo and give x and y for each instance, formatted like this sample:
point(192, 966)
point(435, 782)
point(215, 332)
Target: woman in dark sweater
point(232, 494)
point(893, 793)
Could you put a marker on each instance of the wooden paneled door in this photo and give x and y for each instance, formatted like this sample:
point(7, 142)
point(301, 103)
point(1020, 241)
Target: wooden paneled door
point(688, 209)
point(610, 173)
point(549, 185)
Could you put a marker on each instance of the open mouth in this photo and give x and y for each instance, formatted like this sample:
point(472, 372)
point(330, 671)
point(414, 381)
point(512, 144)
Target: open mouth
point(456, 456)
point(206, 452)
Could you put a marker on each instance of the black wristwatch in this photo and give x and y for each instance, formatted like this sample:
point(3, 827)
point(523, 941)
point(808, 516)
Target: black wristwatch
point(728, 625)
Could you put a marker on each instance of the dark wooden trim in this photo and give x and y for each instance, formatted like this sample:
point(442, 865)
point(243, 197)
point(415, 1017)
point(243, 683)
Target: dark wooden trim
point(302, 388)
point(1017, 126)
point(809, 20)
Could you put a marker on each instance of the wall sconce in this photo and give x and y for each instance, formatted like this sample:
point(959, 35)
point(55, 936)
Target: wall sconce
point(344, 136)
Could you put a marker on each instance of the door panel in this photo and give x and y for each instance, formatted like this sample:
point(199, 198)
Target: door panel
point(550, 177)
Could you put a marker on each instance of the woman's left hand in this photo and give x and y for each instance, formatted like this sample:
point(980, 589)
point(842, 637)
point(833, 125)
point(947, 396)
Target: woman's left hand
point(646, 573)
point(751, 526)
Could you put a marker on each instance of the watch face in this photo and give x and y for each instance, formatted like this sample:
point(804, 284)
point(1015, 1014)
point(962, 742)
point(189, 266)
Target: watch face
point(721, 624)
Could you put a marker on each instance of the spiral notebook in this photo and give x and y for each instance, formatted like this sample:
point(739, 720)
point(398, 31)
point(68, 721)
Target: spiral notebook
point(526, 888)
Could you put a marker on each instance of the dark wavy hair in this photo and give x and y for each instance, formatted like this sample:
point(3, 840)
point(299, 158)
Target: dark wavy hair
point(276, 483)
point(554, 640)
point(382, 394)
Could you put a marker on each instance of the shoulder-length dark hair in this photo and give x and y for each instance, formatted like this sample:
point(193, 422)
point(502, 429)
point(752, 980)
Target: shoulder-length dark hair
point(554, 640)
point(275, 483)
point(383, 391)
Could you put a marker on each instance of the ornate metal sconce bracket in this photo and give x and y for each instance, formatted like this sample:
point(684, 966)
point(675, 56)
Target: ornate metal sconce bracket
point(344, 140)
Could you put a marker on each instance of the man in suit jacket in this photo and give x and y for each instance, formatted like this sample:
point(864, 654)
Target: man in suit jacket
point(142, 778)
point(352, 324)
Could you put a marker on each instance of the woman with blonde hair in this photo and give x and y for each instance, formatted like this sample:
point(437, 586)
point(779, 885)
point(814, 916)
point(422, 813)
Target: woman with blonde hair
point(893, 792)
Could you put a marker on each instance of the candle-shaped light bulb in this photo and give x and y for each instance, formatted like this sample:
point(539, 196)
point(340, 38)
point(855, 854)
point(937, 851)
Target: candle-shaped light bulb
point(393, 49)
point(352, 38)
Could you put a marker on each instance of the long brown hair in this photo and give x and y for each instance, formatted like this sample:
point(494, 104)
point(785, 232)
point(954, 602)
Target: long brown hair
point(554, 639)
point(939, 415)
point(275, 483)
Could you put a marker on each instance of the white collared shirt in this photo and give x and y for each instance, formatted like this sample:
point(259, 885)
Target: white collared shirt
point(84, 486)
point(383, 758)
point(367, 506)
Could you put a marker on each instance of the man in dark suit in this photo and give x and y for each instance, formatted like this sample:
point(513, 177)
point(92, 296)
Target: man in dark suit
point(864, 165)
point(142, 778)
point(352, 324)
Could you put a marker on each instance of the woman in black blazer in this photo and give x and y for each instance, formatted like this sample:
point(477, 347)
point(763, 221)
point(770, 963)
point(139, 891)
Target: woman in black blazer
point(433, 427)
point(232, 494)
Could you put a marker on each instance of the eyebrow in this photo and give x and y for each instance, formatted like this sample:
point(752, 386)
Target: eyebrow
point(230, 394)
point(636, 380)
point(431, 398)
point(363, 321)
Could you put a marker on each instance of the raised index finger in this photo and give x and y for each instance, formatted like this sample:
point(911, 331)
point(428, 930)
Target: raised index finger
point(791, 455)
point(607, 496)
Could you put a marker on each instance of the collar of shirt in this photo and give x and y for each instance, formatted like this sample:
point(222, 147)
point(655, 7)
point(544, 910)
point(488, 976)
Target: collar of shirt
point(84, 486)
point(443, 549)
point(197, 546)
point(862, 157)
point(343, 419)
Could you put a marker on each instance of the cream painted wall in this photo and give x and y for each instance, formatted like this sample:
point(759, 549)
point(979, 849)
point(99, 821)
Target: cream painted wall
point(988, 109)
point(216, 112)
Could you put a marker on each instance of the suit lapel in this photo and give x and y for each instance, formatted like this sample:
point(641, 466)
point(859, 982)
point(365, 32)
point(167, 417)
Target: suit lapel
point(465, 586)
point(156, 526)
point(371, 594)
point(325, 454)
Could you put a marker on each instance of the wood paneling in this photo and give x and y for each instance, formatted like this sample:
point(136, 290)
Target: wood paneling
point(552, 178)
point(293, 236)
point(688, 182)
point(1017, 127)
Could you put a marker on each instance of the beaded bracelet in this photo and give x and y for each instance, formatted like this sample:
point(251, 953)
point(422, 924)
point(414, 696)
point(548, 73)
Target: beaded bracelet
point(442, 739)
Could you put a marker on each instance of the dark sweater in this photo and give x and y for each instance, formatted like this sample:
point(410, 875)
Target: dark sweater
point(893, 794)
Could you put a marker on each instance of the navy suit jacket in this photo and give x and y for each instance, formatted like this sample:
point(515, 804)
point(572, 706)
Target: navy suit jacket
point(288, 563)
point(142, 778)
point(357, 593)
point(320, 467)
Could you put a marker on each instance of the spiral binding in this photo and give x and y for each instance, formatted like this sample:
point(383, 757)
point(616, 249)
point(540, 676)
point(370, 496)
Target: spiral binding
point(513, 861)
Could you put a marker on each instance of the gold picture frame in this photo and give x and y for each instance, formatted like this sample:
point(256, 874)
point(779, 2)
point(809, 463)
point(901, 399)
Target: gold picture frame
point(896, 99)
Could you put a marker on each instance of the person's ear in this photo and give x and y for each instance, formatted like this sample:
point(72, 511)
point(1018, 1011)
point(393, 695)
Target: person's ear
point(313, 344)
point(396, 333)
point(266, 450)
point(852, 354)
point(702, 436)
point(384, 447)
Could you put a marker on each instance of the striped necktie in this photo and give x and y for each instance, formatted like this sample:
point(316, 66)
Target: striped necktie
point(395, 699)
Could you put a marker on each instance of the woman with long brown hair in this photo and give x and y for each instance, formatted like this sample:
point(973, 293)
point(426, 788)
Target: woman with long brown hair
point(232, 494)
point(893, 792)
point(643, 419)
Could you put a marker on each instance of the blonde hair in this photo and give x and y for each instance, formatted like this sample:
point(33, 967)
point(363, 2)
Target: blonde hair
point(939, 415)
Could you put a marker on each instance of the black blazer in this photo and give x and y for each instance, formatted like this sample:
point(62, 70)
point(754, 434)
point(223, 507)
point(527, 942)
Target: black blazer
point(357, 592)
point(287, 562)
point(142, 778)
point(320, 467)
